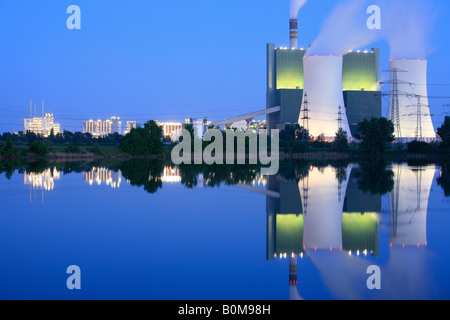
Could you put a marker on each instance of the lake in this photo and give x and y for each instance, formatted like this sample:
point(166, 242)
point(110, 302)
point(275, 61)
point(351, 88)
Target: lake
point(148, 230)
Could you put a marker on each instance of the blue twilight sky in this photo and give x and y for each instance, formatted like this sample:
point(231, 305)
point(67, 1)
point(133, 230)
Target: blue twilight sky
point(163, 60)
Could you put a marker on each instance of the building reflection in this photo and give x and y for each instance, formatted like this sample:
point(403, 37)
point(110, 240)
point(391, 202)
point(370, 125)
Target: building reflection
point(103, 175)
point(171, 175)
point(317, 213)
point(44, 180)
point(322, 215)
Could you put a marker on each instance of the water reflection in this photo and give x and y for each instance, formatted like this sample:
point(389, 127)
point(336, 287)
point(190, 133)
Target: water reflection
point(103, 175)
point(43, 180)
point(329, 215)
point(408, 205)
point(333, 215)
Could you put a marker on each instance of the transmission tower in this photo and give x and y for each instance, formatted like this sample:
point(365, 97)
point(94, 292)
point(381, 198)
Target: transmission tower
point(419, 134)
point(305, 112)
point(395, 105)
point(339, 119)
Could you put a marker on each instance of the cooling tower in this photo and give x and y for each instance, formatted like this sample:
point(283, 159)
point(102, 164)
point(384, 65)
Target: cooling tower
point(323, 203)
point(323, 109)
point(408, 205)
point(293, 33)
point(408, 100)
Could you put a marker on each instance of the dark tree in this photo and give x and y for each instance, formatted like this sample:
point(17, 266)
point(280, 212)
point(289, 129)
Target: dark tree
point(444, 133)
point(9, 147)
point(341, 140)
point(375, 135)
point(144, 141)
point(39, 148)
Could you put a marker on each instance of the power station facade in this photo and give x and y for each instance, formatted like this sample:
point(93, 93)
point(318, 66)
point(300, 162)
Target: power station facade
point(322, 93)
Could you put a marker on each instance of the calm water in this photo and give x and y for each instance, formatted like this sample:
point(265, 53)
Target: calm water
point(148, 231)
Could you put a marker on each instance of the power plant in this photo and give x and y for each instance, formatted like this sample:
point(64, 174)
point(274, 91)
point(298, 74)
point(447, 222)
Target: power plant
point(323, 105)
point(323, 93)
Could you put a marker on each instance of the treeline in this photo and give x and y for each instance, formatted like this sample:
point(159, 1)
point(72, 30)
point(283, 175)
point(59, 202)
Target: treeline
point(146, 140)
point(375, 138)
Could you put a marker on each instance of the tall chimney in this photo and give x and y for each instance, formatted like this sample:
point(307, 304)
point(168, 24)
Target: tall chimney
point(293, 33)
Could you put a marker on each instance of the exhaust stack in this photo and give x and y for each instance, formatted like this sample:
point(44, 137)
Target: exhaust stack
point(293, 33)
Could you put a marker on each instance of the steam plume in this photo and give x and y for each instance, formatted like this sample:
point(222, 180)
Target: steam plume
point(407, 27)
point(345, 29)
point(295, 7)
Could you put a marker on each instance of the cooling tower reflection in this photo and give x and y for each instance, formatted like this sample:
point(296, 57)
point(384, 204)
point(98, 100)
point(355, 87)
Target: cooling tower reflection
point(323, 217)
point(408, 204)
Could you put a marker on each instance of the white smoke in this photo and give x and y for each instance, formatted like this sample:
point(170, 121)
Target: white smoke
point(344, 30)
point(407, 26)
point(295, 7)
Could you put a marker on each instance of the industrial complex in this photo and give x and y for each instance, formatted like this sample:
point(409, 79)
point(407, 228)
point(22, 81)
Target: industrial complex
point(325, 93)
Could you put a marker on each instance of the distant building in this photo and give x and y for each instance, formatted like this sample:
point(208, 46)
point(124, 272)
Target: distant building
point(200, 126)
point(130, 126)
point(116, 125)
point(171, 129)
point(101, 128)
point(43, 126)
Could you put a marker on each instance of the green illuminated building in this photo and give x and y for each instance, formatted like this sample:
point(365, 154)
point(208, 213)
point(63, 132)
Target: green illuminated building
point(361, 75)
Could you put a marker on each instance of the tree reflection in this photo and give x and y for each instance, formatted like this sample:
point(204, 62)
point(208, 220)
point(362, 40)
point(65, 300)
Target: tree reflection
point(215, 175)
point(444, 179)
point(143, 173)
point(8, 168)
point(375, 177)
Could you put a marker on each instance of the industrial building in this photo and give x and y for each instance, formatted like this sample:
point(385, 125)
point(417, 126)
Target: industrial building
point(101, 128)
point(286, 89)
point(43, 126)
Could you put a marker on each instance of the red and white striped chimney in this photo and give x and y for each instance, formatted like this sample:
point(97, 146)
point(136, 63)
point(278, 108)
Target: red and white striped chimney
point(293, 33)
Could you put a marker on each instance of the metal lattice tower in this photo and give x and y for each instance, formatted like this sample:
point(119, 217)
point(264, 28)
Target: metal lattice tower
point(395, 106)
point(419, 134)
point(305, 112)
point(339, 119)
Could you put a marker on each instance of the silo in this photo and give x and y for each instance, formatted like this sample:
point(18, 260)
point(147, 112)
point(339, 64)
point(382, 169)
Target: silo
point(323, 110)
point(408, 100)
